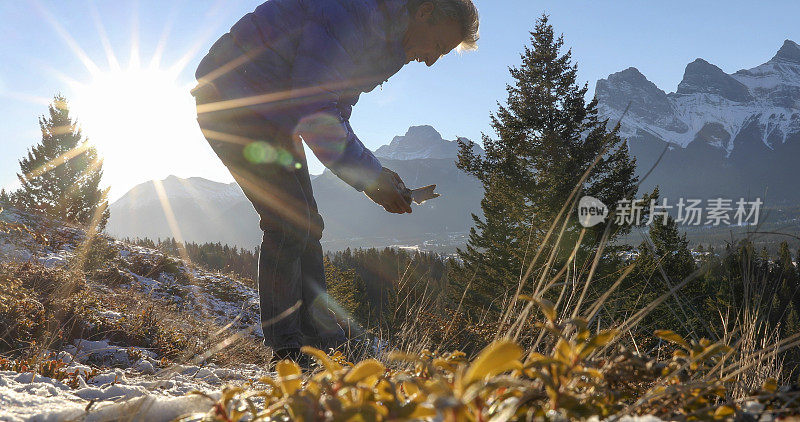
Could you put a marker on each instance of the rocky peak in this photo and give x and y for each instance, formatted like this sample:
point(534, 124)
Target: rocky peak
point(631, 75)
point(631, 87)
point(419, 142)
point(703, 77)
point(629, 79)
point(416, 141)
point(789, 52)
point(422, 132)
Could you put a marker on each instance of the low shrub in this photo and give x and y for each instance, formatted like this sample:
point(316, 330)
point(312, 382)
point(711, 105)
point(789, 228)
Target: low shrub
point(50, 306)
point(47, 366)
point(37, 302)
point(151, 266)
point(577, 379)
point(99, 253)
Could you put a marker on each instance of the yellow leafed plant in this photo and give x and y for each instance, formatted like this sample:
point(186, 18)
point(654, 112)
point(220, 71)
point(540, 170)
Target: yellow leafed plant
point(574, 381)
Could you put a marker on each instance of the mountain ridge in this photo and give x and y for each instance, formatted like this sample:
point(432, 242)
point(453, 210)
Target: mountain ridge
point(771, 90)
point(421, 142)
point(202, 209)
point(723, 133)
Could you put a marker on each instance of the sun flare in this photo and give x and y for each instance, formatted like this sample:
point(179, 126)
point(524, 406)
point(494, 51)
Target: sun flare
point(134, 111)
point(139, 119)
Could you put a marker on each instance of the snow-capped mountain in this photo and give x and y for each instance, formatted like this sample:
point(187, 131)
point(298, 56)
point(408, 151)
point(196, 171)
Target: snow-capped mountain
point(200, 207)
point(193, 187)
point(725, 133)
point(418, 143)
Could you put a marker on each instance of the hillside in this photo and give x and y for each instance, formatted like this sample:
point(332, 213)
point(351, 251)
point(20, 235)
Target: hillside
point(139, 330)
point(150, 337)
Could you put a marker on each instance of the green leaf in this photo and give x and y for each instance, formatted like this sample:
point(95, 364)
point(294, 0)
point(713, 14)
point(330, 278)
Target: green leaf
point(364, 370)
point(770, 385)
point(542, 361)
point(600, 340)
point(322, 358)
point(290, 376)
point(565, 351)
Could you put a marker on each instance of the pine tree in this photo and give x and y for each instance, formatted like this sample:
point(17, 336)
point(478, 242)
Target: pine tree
point(60, 176)
point(547, 137)
point(665, 261)
point(784, 290)
point(672, 246)
point(5, 198)
point(347, 290)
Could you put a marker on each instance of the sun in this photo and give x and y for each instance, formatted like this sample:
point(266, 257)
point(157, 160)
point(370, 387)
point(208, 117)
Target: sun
point(122, 105)
point(142, 121)
point(139, 114)
point(134, 112)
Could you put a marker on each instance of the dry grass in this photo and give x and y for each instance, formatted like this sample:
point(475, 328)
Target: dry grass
point(548, 360)
point(565, 364)
point(44, 309)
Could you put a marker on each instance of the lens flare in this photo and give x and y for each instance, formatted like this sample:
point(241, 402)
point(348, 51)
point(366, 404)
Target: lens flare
point(260, 152)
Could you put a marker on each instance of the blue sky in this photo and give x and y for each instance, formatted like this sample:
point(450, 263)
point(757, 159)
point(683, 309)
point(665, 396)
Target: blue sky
point(46, 43)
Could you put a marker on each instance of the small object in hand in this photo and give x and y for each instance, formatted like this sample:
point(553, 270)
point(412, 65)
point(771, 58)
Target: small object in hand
point(421, 195)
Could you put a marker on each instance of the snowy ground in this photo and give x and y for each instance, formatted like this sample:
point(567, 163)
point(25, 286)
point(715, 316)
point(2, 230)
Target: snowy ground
point(141, 389)
point(131, 381)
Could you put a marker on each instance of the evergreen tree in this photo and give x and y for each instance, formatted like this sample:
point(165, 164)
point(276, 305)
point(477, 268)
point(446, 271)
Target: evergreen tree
point(784, 289)
point(393, 283)
point(664, 262)
point(672, 246)
point(61, 175)
point(5, 198)
point(547, 137)
point(348, 292)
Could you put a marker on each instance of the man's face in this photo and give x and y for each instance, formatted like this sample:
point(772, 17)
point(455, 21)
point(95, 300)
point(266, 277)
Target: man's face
point(425, 42)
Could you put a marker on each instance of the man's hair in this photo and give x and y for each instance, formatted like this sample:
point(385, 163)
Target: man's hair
point(462, 11)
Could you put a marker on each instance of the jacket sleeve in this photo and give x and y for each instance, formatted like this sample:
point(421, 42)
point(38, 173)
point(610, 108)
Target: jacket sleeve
point(324, 94)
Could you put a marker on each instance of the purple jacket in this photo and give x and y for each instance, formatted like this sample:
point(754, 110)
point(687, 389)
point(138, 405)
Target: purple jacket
point(304, 64)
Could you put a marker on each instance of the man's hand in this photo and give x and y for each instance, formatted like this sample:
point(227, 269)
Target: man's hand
point(390, 192)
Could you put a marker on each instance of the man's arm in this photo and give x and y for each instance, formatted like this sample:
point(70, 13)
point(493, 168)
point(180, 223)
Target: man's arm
point(324, 96)
point(320, 80)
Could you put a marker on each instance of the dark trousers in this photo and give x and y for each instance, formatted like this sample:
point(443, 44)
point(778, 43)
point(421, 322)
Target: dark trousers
point(270, 167)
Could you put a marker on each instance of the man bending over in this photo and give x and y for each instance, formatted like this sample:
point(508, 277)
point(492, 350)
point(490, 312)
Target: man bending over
point(291, 72)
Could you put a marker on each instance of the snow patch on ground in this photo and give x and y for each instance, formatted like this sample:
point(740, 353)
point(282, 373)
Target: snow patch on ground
point(160, 396)
point(103, 353)
point(55, 259)
point(27, 398)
